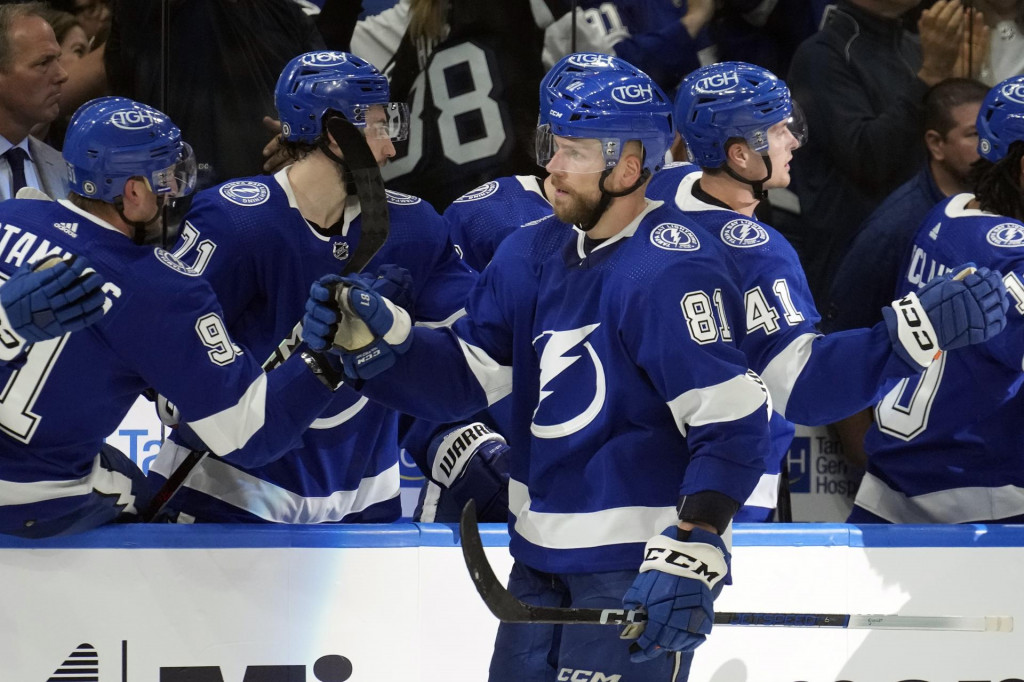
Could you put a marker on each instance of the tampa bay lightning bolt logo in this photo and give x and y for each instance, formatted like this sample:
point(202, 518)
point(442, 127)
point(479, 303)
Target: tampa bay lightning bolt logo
point(1006, 235)
point(168, 259)
point(401, 199)
point(674, 237)
point(581, 390)
point(481, 192)
point(245, 192)
point(744, 234)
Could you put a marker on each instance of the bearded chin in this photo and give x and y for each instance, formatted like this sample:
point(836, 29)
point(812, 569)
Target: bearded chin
point(576, 211)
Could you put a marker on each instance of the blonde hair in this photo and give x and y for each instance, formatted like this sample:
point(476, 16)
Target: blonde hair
point(428, 20)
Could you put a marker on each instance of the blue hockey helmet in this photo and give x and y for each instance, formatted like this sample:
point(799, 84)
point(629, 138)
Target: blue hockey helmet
point(1001, 119)
point(112, 139)
point(317, 82)
point(576, 63)
point(611, 106)
point(718, 102)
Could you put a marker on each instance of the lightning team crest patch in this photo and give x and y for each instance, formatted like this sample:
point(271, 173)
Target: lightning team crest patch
point(674, 237)
point(744, 234)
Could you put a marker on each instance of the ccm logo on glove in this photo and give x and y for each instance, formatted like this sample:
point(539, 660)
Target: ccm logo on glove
point(696, 560)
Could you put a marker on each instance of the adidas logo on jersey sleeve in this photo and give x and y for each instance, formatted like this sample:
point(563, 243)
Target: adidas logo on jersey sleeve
point(70, 229)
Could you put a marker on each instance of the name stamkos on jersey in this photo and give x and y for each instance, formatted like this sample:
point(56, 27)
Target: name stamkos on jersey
point(245, 192)
point(401, 199)
point(482, 192)
point(168, 259)
point(674, 237)
point(1006, 235)
point(744, 234)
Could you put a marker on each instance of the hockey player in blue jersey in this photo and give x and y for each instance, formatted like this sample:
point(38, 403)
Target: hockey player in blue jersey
point(741, 127)
point(632, 421)
point(261, 242)
point(63, 396)
point(946, 446)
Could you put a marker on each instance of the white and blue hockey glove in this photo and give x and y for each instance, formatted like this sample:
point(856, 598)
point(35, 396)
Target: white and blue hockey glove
point(680, 577)
point(51, 298)
point(950, 311)
point(348, 316)
point(470, 462)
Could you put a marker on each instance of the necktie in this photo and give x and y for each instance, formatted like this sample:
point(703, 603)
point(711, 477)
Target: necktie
point(16, 158)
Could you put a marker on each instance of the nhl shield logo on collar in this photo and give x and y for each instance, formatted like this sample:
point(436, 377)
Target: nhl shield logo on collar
point(340, 250)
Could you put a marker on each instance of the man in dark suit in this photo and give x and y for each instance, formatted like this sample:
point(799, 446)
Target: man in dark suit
point(31, 79)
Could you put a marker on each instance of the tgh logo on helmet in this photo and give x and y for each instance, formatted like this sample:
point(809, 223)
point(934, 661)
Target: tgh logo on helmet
point(323, 58)
point(1014, 92)
point(132, 120)
point(590, 59)
point(632, 94)
point(718, 82)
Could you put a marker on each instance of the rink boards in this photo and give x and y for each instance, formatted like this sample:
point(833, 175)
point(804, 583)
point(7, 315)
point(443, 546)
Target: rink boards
point(382, 603)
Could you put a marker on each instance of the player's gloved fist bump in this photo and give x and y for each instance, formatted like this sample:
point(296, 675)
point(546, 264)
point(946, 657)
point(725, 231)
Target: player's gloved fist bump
point(471, 462)
point(677, 585)
point(962, 307)
point(48, 299)
point(350, 317)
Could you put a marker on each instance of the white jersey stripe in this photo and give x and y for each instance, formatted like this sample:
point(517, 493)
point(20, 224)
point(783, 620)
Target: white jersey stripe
point(494, 379)
point(782, 372)
point(230, 429)
point(276, 504)
point(724, 402)
point(955, 505)
point(100, 479)
point(614, 526)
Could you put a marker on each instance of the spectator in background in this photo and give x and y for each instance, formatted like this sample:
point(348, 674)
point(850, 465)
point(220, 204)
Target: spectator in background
point(862, 80)
point(764, 32)
point(93, 15)
point(469, 71)
point(74, 45)
point(31, 81)
point(1005, 22)
point(667, 39)
point(867, 278)
point(225, 59)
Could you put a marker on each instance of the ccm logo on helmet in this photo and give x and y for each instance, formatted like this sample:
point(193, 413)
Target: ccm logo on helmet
point(1014, 92)
point(632, 94)
point(132, 120)
point(718, 82)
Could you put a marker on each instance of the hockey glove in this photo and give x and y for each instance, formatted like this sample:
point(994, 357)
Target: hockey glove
point(349, 317)
point(46, 300)
point(948, 312)
point(470, 462)
point(678, 583)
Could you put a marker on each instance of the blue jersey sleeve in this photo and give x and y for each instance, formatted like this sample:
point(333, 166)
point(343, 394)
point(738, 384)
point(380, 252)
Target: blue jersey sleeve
point(219, 388)
point(679, 335)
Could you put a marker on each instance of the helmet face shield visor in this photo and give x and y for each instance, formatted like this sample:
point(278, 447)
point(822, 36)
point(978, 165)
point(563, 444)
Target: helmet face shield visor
point(388, 121)
point(178, 179)
point(575, 155)
point(797, 124)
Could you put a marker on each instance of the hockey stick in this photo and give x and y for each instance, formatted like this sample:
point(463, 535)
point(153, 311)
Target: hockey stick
point(362, 169)
point(509, 609)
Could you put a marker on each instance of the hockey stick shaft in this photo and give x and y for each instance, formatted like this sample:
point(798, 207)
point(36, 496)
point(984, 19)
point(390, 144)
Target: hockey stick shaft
point(509, 609)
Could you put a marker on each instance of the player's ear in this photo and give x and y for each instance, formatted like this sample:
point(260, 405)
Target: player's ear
point(933, 140)
point(737, 151)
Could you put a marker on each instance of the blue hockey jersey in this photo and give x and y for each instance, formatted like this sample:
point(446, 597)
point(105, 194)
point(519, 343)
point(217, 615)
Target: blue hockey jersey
point(248, 239)
point(623, 395)
point(946, 446)
point(480, 219)
point(163, 329)
point(813, 379)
